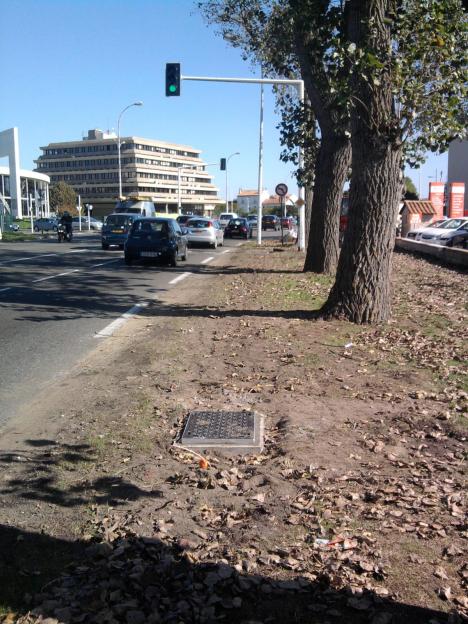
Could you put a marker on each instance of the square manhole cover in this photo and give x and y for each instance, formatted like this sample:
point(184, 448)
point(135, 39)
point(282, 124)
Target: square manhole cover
point(241, 431)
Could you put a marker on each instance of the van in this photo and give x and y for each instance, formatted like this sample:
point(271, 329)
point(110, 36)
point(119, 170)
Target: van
point(225, 217)
point(116, 227)
point(136, 206)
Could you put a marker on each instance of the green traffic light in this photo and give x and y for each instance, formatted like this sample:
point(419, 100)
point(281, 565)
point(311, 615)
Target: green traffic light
point(172, 88)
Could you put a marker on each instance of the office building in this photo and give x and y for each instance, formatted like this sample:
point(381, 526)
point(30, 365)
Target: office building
point(156, 171)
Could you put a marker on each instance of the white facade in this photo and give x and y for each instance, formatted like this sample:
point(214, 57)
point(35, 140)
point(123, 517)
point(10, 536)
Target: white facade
point(247, 200)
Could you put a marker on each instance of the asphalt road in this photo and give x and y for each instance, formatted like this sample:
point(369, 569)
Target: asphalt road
point(57, 299)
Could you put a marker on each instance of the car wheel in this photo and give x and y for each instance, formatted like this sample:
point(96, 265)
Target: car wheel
point(128, 260)
point(105, 245)
point(173, 259)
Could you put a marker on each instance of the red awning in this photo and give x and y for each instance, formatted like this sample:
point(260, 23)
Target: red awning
point(415, 206)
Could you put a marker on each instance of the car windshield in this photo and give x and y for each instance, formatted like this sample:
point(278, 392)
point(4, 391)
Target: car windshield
point(119, 220)
point(237, 222)
point(198, 223)
point(226, 215)
point(452, 224)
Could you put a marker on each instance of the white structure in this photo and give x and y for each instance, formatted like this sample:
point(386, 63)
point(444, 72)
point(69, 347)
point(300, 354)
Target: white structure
point(247, 200)
point(458, 165)
point(21, 191)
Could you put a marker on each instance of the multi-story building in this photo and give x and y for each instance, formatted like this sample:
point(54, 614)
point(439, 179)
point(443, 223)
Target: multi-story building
point(151, 170)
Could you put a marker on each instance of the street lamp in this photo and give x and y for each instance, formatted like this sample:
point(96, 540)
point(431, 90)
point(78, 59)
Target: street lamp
point(227, 160)
point(118, 144)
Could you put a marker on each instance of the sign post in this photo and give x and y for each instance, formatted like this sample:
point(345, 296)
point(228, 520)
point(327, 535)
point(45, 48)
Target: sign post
point(281, 190)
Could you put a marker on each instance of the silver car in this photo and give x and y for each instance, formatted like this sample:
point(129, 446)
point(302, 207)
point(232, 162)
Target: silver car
point(206, 231)
point(450, 233)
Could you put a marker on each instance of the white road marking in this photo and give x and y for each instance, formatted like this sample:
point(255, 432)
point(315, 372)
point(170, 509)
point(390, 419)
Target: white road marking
point(4, 289)
point(43, 279)
point(179, 278)
point(78, 250)
point(226, 251)
point(27, 258)
point(110, 329)
point(103, 263)
point(206, 260)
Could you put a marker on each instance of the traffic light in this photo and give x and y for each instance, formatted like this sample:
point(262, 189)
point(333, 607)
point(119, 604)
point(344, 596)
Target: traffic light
point(222, 164)
point(172, 79)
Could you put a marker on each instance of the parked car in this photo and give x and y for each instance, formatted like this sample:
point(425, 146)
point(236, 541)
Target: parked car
point(238, 227)
point(417, 231)
point(45, 225)
point(115, 229)
point(225, 217)
point(253, 220)
point(451, 233)
point(270, 222)
point(206, 231)
point(94, 224)
point(153, 238)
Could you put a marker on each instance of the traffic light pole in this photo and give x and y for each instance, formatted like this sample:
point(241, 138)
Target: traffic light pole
point(299, 84)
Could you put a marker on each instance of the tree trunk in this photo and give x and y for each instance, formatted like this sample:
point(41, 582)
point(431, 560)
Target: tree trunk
point(361, 292)
point(309, 196)
point(330, 175)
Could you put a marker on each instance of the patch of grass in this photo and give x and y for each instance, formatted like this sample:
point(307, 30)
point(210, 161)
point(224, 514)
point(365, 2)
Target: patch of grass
point(16, 237)
point(435, 325)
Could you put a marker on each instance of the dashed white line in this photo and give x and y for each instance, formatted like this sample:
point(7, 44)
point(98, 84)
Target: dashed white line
point(27, 258)
point(179, 278)
point(206, 260)
point(110, 329)
point(103, 263)
point(43, 279)
point(226, 251)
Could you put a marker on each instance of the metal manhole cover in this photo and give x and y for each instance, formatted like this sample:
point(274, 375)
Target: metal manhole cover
point(243, 430)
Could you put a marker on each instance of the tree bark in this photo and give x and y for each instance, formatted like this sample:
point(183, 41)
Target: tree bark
point(361, 292)
point(330, 175)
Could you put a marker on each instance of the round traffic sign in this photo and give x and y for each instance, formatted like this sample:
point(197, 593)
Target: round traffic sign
point(281, 189)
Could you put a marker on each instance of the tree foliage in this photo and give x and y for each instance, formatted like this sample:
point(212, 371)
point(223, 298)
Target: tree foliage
point(62, 197)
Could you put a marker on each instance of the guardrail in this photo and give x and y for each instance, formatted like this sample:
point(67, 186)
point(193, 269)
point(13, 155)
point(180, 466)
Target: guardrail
point(449, 255)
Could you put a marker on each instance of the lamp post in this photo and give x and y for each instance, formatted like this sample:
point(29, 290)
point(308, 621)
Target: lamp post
point(227, 160)
point(118, 143)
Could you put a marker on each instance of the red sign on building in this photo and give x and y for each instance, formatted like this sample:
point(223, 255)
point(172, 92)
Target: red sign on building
point(456, 200)
point(436, 196)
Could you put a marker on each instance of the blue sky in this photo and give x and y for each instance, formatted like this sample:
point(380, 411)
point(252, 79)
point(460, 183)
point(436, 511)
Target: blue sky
point(72, 65)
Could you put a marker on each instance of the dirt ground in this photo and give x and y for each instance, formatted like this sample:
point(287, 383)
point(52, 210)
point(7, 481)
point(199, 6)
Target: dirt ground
point(354, 512)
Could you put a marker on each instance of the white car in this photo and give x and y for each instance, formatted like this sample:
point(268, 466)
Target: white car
point(206, 231)
point(414, 234)
point(450, 233)
point(225, 217)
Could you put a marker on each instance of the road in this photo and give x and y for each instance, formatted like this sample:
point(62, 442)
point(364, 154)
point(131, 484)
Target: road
point(57, 300)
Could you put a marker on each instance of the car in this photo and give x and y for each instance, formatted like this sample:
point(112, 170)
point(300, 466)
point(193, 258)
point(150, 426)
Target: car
point(270, 222)
point(94, 224)
point(45, 224)
point(225, 217)
point(450, 233)
point(287, 223)
point(204, 230)
point(253, 220)
point(115, 229)
point(182, 219)
point(238, 227)
point(155, 238)
point(417, 231)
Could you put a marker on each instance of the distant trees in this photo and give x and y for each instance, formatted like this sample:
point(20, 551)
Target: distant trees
point(62, 197)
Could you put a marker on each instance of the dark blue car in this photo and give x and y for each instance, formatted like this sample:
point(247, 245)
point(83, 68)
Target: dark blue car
point(115, 229)
point(155, 239)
